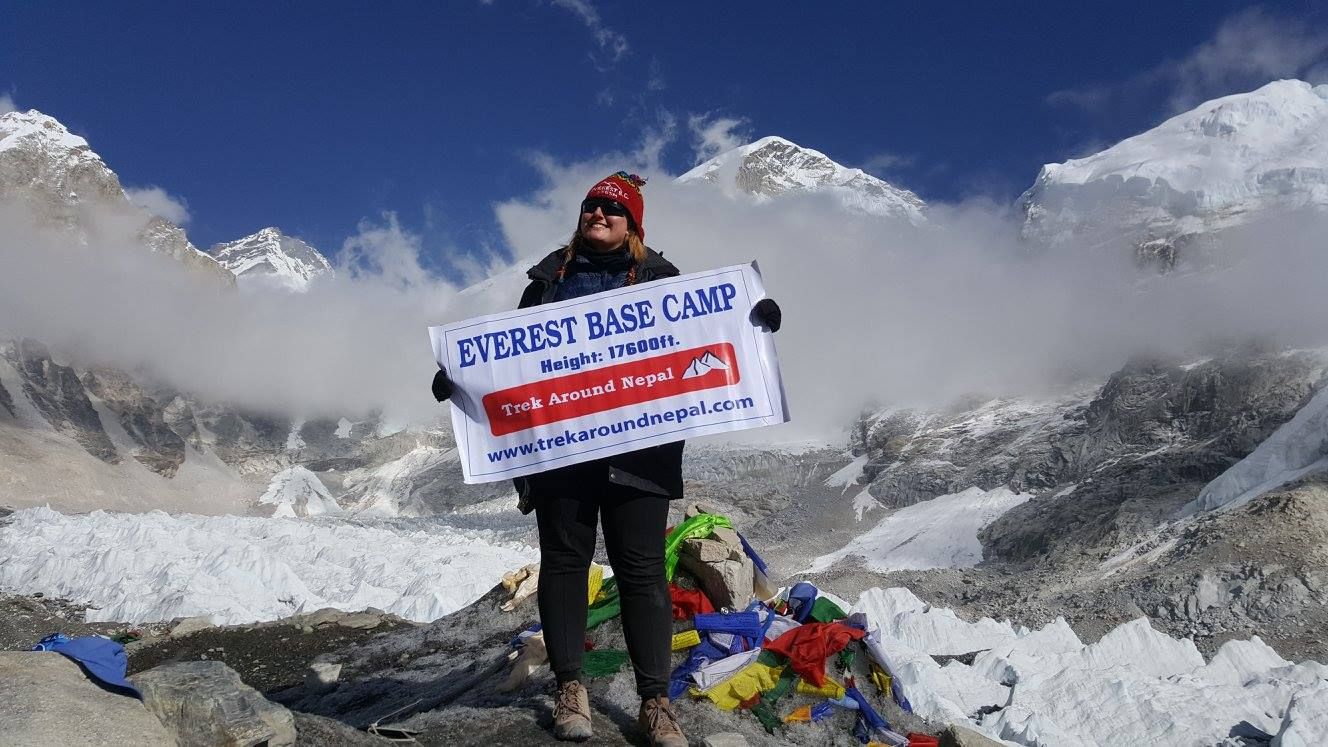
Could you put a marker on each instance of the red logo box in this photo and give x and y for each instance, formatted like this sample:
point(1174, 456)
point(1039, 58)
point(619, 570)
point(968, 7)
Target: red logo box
point(631, 383)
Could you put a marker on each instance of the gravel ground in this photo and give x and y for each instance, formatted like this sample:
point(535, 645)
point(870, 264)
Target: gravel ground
point(24, 620)
point(269, 657)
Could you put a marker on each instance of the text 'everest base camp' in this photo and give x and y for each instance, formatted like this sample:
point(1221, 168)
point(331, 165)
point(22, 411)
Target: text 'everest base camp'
point(1134, 558)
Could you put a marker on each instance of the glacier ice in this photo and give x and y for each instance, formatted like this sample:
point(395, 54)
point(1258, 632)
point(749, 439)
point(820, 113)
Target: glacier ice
point(155, 566)
point(1134, 686)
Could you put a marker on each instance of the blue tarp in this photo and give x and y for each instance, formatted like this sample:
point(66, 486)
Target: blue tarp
point(103, 659)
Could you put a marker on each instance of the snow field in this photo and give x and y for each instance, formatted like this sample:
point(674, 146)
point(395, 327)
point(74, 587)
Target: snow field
point(1134, 686)
point(155, 566)
point(939, 533)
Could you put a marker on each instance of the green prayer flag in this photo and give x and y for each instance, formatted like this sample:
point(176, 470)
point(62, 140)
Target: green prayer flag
point(701, 525)
point(602, 663)
point(824, 611)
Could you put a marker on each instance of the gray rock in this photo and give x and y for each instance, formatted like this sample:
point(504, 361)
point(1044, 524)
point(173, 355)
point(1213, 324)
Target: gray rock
point(1210, 593)
point(205, 703)
point(192, 625)
point(720, 567)
point(317, 731)
point(49, 702)
point(959, 736)
point(725, 739)
point(360, 620)
point(324, 616)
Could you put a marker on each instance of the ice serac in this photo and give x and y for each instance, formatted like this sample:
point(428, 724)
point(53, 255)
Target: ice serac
point(155, 566)
point(271, 259)
point(1223, 163)
point(1046, 687)
point(58, 177)
point(298, 492)
point(773, 166)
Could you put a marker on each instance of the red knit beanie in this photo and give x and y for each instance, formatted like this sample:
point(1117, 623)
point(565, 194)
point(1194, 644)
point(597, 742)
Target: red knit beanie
point(625, 189)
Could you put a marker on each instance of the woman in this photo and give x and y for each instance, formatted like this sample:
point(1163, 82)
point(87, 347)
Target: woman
point(629, 492)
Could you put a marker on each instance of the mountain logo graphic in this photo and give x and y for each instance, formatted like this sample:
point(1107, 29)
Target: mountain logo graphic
point(704, 364)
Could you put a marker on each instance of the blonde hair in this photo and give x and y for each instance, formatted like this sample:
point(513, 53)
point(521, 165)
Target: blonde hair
point(635, 246)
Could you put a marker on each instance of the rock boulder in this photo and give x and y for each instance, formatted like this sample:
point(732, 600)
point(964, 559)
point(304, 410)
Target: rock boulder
point(205, 703)
point(49, 702)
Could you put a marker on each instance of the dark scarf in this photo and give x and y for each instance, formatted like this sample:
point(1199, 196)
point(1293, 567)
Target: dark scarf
point(616, 260)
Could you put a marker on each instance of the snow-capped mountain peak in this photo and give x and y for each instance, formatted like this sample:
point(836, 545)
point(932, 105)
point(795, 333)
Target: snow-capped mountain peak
point(773, 166)
point(272, 259)
point(56, 174)
point(26, 129)
point(1199, 171)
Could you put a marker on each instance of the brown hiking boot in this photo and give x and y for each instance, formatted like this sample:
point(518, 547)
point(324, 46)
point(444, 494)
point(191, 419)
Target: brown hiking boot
point(660, 724)
point(571, 712)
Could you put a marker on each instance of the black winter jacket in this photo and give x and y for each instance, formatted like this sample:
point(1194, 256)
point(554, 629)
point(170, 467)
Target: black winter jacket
point(655, 469)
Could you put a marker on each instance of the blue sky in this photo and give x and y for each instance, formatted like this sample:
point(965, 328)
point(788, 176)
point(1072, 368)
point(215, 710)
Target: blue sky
point(313, 117)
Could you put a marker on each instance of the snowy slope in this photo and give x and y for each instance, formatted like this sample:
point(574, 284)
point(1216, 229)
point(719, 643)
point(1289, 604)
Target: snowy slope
point(1204, 169)
point(773, 166)
point(1297, 448)
point(154, 566)
point(939, 533)
point(272, 259)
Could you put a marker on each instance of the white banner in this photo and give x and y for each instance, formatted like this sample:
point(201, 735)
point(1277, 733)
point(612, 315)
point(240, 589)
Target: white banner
point(589, 377)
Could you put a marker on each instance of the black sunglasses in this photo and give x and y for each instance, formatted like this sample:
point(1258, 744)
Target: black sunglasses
point(608, 207)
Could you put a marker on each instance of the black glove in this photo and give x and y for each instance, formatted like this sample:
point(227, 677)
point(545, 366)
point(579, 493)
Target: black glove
point(767, 313)
point(442, 386)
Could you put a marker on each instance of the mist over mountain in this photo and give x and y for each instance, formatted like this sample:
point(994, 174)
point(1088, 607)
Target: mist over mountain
point(921, 310)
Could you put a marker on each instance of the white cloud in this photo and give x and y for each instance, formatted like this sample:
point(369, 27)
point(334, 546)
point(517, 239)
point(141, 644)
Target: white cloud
point(160, 203)
point(879, 310)
point(1250, 48)
point(610, 41)
point(353, 344)
point(656, 80)
point(885, 163)
point(654, 139)
point(875, 310)
point(712, 135)
point(7, 104)
point(384, 252)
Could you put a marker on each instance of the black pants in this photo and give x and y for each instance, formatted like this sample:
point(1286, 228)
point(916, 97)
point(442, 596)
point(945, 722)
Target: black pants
point(634, 526)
